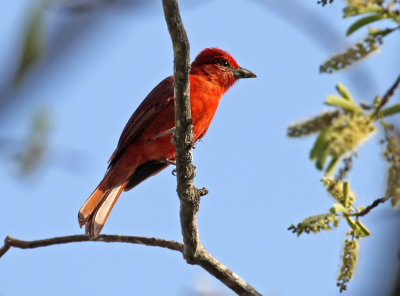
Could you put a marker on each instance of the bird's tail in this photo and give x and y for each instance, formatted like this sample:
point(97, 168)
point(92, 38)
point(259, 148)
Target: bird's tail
point(96, 209)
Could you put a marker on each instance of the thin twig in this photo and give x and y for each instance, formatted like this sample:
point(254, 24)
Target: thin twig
point(206, 260)
point(148, 241)
point(390, 92)
point(386, 97)
point(374, 204)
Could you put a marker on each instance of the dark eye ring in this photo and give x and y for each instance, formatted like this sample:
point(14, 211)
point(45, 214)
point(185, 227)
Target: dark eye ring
point(224, 63)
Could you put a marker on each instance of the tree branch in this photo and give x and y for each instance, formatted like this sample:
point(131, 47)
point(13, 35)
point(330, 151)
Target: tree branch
point(373, 205)
point(148, 241)
point(189, 196)
point(386, 97)
point(390, 92)
point(206, 260)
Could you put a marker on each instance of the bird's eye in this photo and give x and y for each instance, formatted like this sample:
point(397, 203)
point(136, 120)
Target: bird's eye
point(224, 63)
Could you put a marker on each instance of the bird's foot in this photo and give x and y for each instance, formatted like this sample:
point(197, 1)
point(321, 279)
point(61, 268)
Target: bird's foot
point(170, 161)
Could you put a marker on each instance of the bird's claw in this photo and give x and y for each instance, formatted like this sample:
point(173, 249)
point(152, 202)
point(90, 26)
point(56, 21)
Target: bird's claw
point(170, 161)
point(173, 139)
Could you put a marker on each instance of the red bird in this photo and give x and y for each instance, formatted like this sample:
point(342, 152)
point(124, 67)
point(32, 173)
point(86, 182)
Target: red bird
point(145, 147)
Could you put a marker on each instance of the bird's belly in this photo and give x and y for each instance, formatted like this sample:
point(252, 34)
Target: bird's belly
point(154, 143)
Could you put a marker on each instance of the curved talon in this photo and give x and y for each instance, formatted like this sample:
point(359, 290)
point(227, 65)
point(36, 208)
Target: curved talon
point(170, 161)
point(173, 139)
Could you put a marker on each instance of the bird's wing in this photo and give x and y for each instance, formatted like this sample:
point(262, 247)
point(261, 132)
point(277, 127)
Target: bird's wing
point(156, 100)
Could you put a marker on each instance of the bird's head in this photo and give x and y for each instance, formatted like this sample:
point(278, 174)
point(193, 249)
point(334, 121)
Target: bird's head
point(219, 67)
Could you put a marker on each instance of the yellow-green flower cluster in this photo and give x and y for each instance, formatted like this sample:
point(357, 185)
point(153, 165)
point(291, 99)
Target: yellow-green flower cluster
point(392, 154)
point(316, 124)
point(357, 7)
point(347, 132)
point(340, 191)
point(315, 224)
point(353, 54)
point(349, 262)
point(393, 184)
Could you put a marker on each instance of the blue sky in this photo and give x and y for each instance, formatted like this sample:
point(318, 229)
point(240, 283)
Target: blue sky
point(259, 180)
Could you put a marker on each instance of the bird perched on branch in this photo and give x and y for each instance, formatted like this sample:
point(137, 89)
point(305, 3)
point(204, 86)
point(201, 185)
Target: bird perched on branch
point(145, 147)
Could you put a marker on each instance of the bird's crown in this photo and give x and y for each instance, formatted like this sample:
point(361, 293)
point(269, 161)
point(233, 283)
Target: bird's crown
point(214, 56)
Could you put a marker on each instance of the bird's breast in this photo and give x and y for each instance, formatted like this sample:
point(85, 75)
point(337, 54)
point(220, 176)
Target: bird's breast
point(204, 102)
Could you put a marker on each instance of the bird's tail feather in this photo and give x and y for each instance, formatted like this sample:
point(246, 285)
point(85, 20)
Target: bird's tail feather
point(90, 205)
point(96, 209)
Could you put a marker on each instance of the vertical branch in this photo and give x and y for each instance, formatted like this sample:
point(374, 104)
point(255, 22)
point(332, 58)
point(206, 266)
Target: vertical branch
point(188, 194)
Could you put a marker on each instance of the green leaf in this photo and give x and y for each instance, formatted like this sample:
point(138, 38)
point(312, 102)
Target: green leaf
point(395, 109)
point(351, 223)
point(363, 229)
point(332, 165)
point(346, 189)
point(342, 103)
point(344, 92)
point(359, 228)
point(319, 146)
point(320, 163)
point(319, 152)
point(364, 21)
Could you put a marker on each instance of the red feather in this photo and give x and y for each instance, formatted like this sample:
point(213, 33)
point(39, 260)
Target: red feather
point(145, 143)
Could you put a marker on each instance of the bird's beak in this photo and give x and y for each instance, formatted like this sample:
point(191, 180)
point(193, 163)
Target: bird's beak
point(243, 73)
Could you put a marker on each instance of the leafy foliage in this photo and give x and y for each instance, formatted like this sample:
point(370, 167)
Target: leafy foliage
point(340, 133)
point(371, 11)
